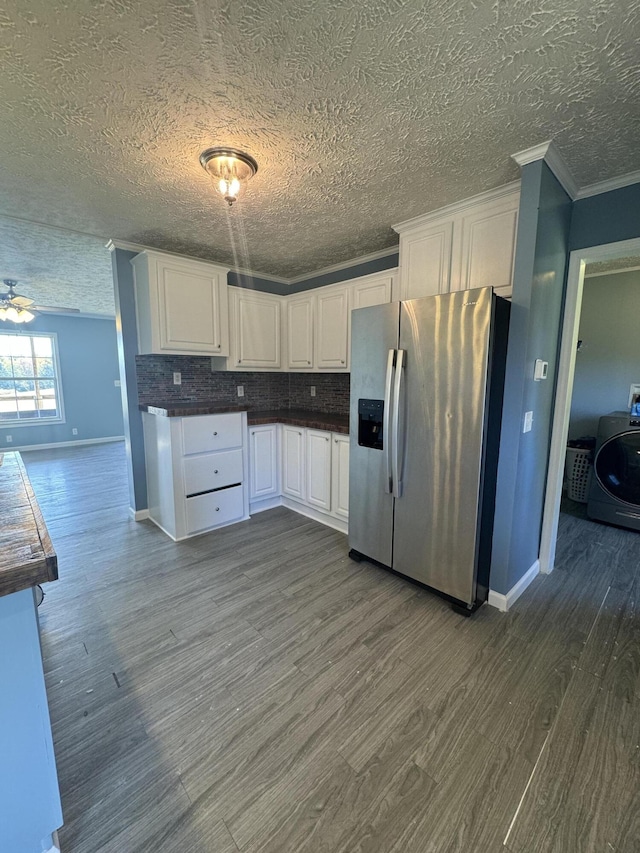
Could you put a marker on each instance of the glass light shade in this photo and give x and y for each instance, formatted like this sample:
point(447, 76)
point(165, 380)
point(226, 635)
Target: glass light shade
point(230, 169)
point(16, 315)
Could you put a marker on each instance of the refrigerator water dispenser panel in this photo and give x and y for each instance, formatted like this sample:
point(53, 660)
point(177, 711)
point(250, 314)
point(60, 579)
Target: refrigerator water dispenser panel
point(370, 413)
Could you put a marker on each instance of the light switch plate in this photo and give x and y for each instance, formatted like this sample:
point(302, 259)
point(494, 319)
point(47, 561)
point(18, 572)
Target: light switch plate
point(528, 422)
point(540, 369)
point(177, 377)
point(240, 390)
point(313, 390)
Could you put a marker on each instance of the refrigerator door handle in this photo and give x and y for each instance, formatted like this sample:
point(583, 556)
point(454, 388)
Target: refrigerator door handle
point(386, 421)
point(395, 451)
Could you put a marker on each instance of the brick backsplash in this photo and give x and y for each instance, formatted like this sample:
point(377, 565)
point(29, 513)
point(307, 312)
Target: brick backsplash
point(261, 390)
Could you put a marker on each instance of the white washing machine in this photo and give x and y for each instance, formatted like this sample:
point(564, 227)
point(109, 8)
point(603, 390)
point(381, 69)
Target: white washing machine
point(614, 495)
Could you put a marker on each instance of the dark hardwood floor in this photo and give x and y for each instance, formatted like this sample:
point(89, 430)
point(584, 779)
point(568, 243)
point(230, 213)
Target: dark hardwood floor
point(253, 689)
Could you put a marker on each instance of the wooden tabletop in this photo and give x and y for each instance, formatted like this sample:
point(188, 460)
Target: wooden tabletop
point(27, 557)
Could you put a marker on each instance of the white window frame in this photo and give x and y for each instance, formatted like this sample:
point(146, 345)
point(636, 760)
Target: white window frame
point(34, 422)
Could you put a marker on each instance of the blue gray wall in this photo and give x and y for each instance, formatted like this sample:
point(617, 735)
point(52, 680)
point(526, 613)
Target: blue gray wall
point(609, 359)
point(538, 295)
point(606, 218)
point(127, 350)
point(88, 367)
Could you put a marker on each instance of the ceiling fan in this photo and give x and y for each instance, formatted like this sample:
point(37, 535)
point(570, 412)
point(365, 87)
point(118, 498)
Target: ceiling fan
point(21, 309)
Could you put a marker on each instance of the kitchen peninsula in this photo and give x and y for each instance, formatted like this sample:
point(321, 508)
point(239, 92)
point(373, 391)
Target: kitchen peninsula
point(30, 812)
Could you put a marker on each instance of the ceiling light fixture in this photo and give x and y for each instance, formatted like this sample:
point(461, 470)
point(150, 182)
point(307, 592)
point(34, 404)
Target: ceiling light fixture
point(14, 307)
point(230, 169)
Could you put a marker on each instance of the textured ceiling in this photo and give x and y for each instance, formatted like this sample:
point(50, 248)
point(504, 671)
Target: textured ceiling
point(57, 267)
point(360, 113)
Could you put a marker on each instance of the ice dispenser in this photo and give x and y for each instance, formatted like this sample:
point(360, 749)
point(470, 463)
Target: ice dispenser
point(370, 413)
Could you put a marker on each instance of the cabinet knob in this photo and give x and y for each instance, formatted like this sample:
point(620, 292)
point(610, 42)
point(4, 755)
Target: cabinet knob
point(326, 439)
point(215, 433)
point(342, 361)
point(308, 362)
point(299, 433)
point(215, 471)
point(336, 440)
point(217, 509)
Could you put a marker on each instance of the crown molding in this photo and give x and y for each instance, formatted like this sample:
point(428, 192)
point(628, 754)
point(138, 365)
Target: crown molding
point(548, 152)
point(608, 185)
point(458, 207)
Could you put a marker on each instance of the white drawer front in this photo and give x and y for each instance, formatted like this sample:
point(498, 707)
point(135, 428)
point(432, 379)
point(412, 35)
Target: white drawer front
point(212, 471)
point(202, 433)
point(214, 508)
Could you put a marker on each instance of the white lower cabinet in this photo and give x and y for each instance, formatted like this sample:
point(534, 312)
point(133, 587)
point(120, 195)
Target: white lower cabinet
point(318, 460)
point(264, 462)
point(196, 472)
point(293, 462)
point(307, 471)
point(340, 476)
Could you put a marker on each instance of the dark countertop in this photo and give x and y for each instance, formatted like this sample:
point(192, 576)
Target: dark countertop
point(292, 417)
point(27, 557)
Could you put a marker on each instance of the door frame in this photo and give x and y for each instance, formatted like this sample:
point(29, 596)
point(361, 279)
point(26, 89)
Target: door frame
point(578, 259)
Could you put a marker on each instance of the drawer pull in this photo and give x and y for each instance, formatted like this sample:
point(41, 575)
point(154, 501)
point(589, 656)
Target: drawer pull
point(342, 361)
point(215, 433)
point(217, 509)
point(326, 439)
point(215, 471)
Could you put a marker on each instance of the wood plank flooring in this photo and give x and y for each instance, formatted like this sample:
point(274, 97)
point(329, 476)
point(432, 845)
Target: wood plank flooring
point(254, 690)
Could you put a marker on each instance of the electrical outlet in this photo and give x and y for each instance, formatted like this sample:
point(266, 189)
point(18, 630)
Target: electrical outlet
point(9, 439)
point(116, 382)
point(240, 390)
point(177, 377)
point(313, 390)
point(74, 431)
point(528, 422)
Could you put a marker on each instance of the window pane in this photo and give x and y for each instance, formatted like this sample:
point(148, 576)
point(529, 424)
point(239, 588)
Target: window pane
point(42, 347)
point(44, 367)
point(20, 345)
point(5, 344)
point(26, 393)
point(5, 366)
point(47, 403)
point(23, 366)
point(8, 403)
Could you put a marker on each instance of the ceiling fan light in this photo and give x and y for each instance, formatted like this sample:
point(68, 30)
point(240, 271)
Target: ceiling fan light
point(230, 168)
point(12, 314)
point(26, 316)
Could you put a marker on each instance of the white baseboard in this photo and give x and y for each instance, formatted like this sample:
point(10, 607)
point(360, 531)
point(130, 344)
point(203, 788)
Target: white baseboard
point(316, 514)
point(55, 444)
point(267, 503)
point(504, 602)
point(138, 514)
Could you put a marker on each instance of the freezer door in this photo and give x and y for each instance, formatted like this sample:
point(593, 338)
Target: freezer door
point(442, 395)
point(374, 334)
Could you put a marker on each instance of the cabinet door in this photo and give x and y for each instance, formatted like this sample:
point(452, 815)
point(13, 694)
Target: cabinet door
point(319, 469)
point(293, 467)
point(255, 330)
point(488, 243)
point(193, 310)
point(425, 260)
point(372, 290)
point(340, 476)
point(332, 329)
point(263, 461)
point(300, 333)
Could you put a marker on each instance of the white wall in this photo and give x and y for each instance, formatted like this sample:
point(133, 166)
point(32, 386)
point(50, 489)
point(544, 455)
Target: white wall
point(609, 359)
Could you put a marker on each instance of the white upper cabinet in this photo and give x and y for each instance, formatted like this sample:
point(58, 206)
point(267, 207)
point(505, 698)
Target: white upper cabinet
point(488, 244)
point(468, 244)
point(181, 305)
point(371, 290)
point(425, 260)
point(255, 330)
point(332, 328)
point(299, 332)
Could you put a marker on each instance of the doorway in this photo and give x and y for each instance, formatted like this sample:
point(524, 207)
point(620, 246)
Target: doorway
point(578, 262)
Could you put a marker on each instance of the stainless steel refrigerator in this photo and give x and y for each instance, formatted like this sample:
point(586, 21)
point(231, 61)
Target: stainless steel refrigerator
point(427, 379)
